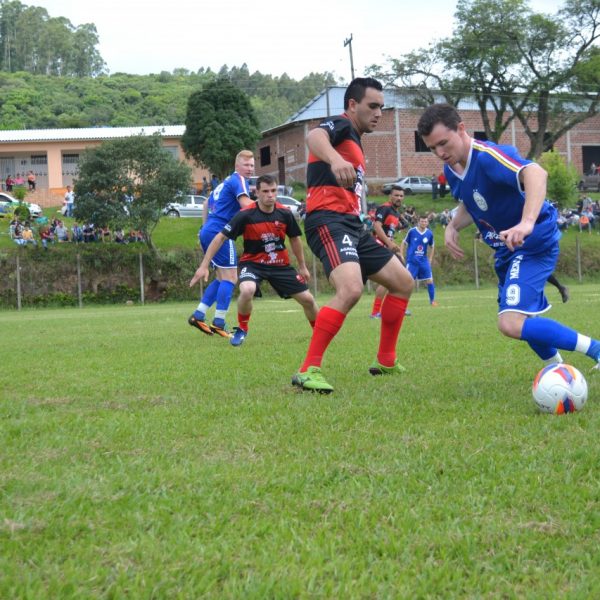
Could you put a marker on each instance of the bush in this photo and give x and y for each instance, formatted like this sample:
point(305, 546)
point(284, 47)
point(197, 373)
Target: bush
point(562, 179)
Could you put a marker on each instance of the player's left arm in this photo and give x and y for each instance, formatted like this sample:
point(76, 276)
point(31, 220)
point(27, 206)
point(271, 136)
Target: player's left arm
point(533, 179)
point(298, 250)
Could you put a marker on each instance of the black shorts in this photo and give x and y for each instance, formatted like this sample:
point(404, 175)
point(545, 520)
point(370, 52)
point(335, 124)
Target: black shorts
point(336, 238)
point(286, 281)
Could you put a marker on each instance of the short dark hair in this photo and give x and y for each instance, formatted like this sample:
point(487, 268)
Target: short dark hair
point(438, 113)
point(357, 89)
point(397, 188)
point(268, 179)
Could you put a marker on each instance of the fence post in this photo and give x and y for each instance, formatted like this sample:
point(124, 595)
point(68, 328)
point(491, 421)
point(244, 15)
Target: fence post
point(18, 283)
point(79, 295)
point(141, 278)
point(475, 259)
point(578, 253)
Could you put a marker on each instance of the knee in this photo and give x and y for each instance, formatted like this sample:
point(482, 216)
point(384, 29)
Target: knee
point(349, 295)
point(510, 327)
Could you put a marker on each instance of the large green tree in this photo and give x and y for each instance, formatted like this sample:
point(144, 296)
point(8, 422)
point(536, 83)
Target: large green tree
point(542, 70)
point(127, 183)
point(220, 122)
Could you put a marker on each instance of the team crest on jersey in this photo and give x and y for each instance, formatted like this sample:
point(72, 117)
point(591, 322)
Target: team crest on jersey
point(480, 201)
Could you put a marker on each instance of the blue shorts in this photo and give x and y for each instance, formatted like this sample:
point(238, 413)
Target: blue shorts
point(521, 281)
point(419, 269)
point(226, 257)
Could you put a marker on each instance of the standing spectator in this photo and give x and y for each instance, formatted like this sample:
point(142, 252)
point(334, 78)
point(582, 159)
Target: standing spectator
point(504, 196)
point(434, 187)
point(9, 183)
point(336, 235)
point(593, 168)
point(231, 197)
point(205, 187)
point(419, 246)
point(442, 184)
point(69, 201)
point(19, 181)
point(214, 182)
point(31, 181)
point(265, 256)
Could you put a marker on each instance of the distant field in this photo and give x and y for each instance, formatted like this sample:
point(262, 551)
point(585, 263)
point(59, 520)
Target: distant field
point(141, 459)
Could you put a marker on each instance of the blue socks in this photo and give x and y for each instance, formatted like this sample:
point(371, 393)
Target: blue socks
point(543, 333)
point(431, 292)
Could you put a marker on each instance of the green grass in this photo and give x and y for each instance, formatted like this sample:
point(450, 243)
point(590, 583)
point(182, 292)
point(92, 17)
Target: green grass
point(141, 459)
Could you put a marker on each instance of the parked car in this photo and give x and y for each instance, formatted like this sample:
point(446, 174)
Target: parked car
point(284, 190)
point(291, 203)
point(9, 204)
point(190, 206)
point(410, 185)
point(589, 183)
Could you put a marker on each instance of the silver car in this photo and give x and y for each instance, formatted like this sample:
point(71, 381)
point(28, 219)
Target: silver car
point(410, 185)
point(189, 206)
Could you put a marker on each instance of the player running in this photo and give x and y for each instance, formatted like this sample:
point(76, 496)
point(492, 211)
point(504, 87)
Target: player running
point(223, 203)
point(335, 234)
point(264, 227)
point(504, 195)
point(418, 247)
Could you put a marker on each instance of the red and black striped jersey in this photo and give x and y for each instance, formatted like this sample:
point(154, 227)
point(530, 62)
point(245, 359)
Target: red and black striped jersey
point(323, 191)
point(264, 234)
point(389, 218)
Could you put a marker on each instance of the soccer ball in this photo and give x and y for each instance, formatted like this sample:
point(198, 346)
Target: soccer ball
point(559, 389)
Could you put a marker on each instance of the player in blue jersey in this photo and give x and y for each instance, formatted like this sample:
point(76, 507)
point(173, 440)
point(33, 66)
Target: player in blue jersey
point(223, 203)
point(504, 195)
point(418, 247)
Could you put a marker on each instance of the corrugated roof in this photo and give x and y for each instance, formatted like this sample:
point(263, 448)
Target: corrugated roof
point(88, 133)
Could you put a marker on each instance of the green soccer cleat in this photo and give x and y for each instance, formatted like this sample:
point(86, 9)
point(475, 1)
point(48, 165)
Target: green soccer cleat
point(378, 369)
point(312, 380)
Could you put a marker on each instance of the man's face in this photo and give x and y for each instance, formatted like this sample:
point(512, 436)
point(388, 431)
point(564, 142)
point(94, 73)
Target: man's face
point(450, 146)
point(266, 196)
point(423, 224)
point(396, 198)
point(245, 167)
point(366, 113)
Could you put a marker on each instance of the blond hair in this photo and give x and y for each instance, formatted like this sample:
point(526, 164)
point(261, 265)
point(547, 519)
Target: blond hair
point(244, 154)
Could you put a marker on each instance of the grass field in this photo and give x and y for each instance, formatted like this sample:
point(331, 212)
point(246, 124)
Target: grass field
point(141, 459)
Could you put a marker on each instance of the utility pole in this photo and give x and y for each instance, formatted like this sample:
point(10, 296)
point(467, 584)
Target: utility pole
point(348, 42)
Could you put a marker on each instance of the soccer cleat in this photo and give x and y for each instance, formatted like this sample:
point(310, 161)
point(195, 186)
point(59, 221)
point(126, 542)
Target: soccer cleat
point(220, 331)
point(407, 313)
point(434, 303)
point(375, 316)
point(378, 369)
point(238, 337)
point(564, 294)
point(201, 325)
point(312, 380)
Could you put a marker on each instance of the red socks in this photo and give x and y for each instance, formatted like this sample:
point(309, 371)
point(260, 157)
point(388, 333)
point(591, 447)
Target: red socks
point(243, 321)
point(392, 315)
point(328, 323)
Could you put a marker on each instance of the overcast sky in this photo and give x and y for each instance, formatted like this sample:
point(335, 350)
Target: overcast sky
point(273, 37)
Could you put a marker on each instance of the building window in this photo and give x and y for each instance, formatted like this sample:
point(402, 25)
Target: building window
point(39, 159)
point(173, 150)
point(480, 135)
point(70, 159)
point(420, 145)
point(265, 156)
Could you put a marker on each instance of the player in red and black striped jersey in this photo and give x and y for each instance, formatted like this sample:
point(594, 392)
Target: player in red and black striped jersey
point(335, 233)
point(264, 227)
point(388, 221)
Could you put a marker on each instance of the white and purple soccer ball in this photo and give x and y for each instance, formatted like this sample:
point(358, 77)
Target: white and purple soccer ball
point(559, 389)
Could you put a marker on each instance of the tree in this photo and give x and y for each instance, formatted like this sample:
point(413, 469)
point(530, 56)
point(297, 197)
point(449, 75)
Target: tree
point(219, 123)
point(127, 183)
point(542, 70)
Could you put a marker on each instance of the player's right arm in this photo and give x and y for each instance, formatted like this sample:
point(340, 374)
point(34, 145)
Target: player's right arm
point(319, 144)
point(460, 220)
point(387, 242)
point(203, 270)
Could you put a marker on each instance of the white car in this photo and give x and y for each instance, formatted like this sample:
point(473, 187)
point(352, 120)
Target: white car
point(9, 204)
point(410, 185)
point(291, 203)
point(189, 206)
